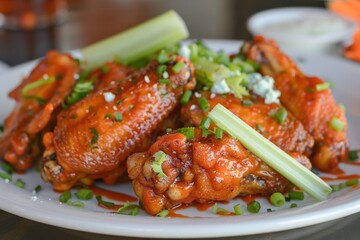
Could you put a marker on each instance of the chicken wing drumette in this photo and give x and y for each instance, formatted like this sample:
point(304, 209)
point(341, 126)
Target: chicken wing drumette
point(202, 169)
point(305, 98)
point(94, 137)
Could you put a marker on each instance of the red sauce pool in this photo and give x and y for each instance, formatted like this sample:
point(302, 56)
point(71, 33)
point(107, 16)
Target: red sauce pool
point(121, 197)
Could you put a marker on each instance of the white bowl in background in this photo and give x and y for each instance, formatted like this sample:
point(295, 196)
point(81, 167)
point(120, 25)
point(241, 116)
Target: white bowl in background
point(302, 28)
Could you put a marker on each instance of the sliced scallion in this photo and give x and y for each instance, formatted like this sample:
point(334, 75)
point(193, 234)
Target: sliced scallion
point(185, 98)
point(277, 199)
point(105, 203)
point(353, 155)
point(238, 209)
point(65, 196)
point(7, 168)
point(84, 194)
point(6, 176)
point(352, 182)
point(118, 117)
point(156, 165)
point(204, 104)
point(178, 66)
point(75, 203)
point(322, 86)
point(270, 153)
point(20, 183)
point(296, 195)
point(188, 132)
point(163, 213)
point(281, 116)
point(337, 124)
point(254, 207)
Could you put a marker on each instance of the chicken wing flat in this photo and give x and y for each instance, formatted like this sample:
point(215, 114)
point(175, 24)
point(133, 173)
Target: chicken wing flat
point(202, 169)
point(290, 135)
point(313, 106)
point(94, 137)
point(38, 99)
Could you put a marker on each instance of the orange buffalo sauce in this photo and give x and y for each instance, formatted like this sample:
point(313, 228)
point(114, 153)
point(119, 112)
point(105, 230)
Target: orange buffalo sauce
point(118, 196)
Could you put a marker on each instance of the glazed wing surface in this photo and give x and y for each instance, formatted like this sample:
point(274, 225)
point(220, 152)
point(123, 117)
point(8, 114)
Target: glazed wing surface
point(306, 100)
point(38, 99)
point(94, 137)
point(202, 169)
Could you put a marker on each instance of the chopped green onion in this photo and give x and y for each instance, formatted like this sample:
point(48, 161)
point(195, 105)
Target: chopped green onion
point(156, 165)
point(322, 86)
point(281, 116)
point(36, 84)
point(7, 168)
point(353, 155)
point(104, 69)
point(238, 209)
point(161, 69)
point(254, 207)
point(352, 182)
point(95, 137)
point(260, 128)
point(189, 132)
point(6, 176)
point(342, 107)
point(164, 80)
point(163, 213)
point(205, 122)
point(19, 183)
point(277, 199)
point(138, 42)
point(105, 203)
point(219, 133)
point(37, 189)
point(335, 188)
point(84, 194)
point(75, 203)
point(269, 210)
point(204, 104)
point(215, 209)
point(163, 57)
point(178, 66)
point(168, 130)
point(247, 103)
point(65, 196)
point(81, 89)
point(118, 117)
point(296, 195)
point(205, 132)
point(270, 153)
point(132, 209)
point(337, 124)
point(185, 98)
point(293, 205)
point(107, 115)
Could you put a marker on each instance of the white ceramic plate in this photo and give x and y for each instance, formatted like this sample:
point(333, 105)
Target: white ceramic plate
point(44, 207)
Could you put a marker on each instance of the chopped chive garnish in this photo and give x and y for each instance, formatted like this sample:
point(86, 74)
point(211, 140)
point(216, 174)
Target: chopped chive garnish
point(65, 196)
point(129, 208)
point(254, 207)
point(353, 155)
point(163, 213)
point(75, 203)
point(342, 107)
point(6, 176)
point(322, 86)
point(260, 128)
point(105, 203)
point(185, 98)
point(104, 69)
point(269, 210)
point(7, 168)
point(247, 103)
point(205, 122)
point(281, 115)
point(37, 189)
point(163, 57)
point(277, 199)
point(164, 80)
point(352, 182)
point(335, 188)
point(336, 124)
point(189, 132)
point(84, 194)
point(95, 136)
point(204, 104)
point(36, 84)
point(118, 117)
point(219, 133)
point(120, 101)
point(215, 209)
point(178, 66)
point(276, 158)
point(238, 209)
point(296, 195)
point(168, 130)
point(19, 183)
point(161, 69)
point(310, 90)
point(293, 205)
point(205, 132)
point(156, 165)
point(107, 115)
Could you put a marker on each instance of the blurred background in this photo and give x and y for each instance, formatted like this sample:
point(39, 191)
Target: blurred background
point(36, 26)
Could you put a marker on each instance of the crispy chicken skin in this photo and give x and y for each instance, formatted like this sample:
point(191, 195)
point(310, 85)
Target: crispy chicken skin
point(21, 145)
point(200, 170)
point(313, 108)
point(94, 137)
point(289, 136)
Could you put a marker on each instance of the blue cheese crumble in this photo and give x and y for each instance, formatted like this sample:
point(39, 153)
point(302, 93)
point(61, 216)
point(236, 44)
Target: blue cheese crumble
point(264, 87)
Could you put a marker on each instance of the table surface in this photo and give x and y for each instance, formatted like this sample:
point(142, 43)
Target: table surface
point(92, 20)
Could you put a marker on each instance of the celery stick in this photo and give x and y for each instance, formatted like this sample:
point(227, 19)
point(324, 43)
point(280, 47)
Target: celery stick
point(137, 42)
point(270, 153)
